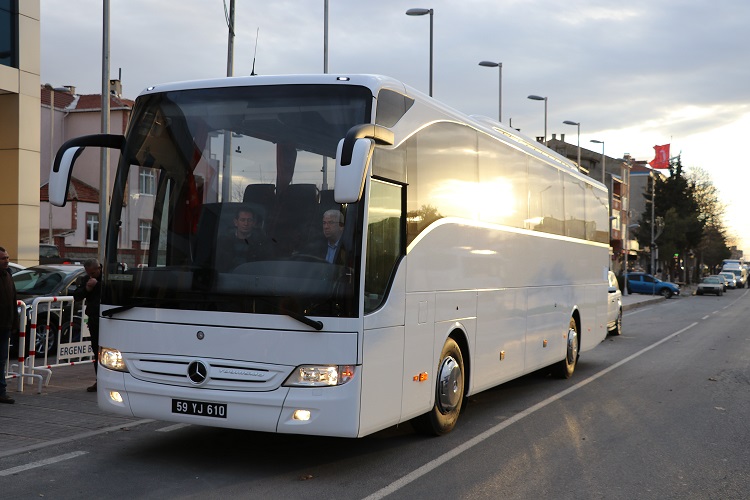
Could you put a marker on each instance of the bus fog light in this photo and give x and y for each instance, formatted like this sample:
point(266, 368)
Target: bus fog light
point(320, 375)
point(303, 415)
point(112, 359)
point(115, 396)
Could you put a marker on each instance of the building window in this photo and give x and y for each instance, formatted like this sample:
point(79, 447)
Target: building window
point(9, 33)
point(147, 181)
point(92, 227)
point(144, 231)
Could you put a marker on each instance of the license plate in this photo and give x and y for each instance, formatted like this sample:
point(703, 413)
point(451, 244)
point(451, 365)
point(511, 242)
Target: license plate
point(200, 408)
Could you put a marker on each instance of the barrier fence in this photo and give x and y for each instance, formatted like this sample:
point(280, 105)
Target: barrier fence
point(64, 330)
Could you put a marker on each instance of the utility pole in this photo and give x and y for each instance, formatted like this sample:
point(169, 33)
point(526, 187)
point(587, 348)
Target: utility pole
point(104, 155)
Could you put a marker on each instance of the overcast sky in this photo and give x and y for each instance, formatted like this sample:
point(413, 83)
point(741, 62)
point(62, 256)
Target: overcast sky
point(634, 74)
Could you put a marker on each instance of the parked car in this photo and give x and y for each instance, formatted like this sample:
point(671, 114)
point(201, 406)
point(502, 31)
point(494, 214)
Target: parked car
point(723, 280)
point(49, 254)
point(645, 283)
point(614, 305)
point(731, 279)
point(710, 284)
point(14, 268)
point(53, 280)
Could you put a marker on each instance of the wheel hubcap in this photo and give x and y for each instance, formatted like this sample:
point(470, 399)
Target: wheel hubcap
point(450, 385)
point(572, 346)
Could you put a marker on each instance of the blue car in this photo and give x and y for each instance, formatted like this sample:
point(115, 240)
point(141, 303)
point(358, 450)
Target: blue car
point(645, 283)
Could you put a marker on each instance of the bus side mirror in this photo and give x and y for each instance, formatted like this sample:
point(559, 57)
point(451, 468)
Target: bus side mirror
point(350, 179)
point(59, 176)
point(353, 157)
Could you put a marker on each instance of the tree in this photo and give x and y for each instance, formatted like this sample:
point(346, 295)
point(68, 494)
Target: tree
point(713, 247)
point(676, 204)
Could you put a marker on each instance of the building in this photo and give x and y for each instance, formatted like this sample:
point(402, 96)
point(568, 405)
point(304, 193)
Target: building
point(19, 129)
point(74, 228)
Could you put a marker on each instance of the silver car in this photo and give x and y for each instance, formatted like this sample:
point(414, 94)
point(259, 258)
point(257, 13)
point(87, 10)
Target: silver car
point(710, 284)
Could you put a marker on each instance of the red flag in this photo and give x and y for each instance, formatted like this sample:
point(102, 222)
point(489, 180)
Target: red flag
point(661, 160)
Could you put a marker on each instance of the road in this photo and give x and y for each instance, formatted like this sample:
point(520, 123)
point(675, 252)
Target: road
point(658, 412)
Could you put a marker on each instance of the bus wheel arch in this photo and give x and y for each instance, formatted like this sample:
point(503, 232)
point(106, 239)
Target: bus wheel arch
point(450, 387)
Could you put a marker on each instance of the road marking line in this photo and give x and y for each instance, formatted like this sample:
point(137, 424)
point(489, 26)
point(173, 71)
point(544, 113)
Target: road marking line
point(41, 463)
point(172, 427)
point(434, 464)
point(76, 437)
point(706, 316)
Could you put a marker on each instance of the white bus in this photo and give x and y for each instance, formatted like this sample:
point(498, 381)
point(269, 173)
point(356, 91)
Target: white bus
point(468, 256)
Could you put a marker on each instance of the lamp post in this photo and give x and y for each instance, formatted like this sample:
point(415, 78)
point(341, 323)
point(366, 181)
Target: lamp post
point(540, 98)
point(422, 12)
point(577, 124)
point(499, 65)
point(603, 157)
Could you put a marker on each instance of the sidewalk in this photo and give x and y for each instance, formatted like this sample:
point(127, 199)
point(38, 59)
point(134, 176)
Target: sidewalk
point(635, 300)
point(64, 409)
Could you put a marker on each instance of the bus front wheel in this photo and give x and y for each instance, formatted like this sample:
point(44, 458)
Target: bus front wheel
point(449, 393)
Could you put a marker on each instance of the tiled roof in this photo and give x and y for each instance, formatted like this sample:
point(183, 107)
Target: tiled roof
point(94, 102)
point(79, 191)
point(87, 102)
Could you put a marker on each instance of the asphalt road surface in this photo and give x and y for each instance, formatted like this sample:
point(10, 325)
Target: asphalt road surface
point(659, 412)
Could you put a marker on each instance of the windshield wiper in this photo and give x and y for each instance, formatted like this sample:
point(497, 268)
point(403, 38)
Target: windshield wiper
point(318, 325)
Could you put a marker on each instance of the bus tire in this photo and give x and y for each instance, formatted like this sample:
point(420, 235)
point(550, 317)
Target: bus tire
point(566, 367)
point(449, 393)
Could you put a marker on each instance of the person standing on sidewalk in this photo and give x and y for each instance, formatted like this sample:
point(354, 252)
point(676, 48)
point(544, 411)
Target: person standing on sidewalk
point(90, 288)
point(9, 319)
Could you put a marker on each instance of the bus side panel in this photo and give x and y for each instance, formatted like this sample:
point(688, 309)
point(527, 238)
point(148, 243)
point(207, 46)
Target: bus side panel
point(593, 318)
point(382, 369)
point(418, 354)
point(501, 338)
point(547, 320)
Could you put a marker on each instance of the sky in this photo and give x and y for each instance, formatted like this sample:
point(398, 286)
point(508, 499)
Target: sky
point(634, 74)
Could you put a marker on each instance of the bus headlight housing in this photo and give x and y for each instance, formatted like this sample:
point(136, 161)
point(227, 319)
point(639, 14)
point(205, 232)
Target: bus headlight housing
point(320, 375)
point(112, 359)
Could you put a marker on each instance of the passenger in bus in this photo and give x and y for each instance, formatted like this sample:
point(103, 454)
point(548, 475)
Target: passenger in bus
point(329, 247)
point(245, 243)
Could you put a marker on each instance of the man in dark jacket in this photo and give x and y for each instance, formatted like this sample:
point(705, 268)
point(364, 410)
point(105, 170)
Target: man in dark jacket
point(90, 288)
point(9, 319)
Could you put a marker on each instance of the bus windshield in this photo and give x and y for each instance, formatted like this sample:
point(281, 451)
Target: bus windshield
point(230, 191)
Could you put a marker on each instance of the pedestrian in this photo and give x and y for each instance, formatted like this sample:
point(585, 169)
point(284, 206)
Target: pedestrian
point(90, 288)
point(9, 319)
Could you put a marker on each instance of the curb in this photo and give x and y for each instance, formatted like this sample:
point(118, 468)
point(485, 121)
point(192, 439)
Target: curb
point(642, 303)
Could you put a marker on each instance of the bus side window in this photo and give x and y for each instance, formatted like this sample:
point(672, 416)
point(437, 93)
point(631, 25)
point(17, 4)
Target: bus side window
point(385, 243)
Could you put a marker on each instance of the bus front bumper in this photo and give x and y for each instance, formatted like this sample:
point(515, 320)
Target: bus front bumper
point(323, 411)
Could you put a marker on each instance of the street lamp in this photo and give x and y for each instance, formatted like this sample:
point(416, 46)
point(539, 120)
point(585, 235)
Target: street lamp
point(499, 65)
point(577, 124)
point(422, 12)
point(539, 98)
point(603, 157)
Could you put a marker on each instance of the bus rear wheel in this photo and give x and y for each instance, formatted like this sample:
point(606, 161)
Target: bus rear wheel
point(566, 367)
point(449, 393)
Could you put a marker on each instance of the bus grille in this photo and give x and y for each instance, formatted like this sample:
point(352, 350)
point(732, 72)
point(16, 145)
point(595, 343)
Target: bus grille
point(207, 373)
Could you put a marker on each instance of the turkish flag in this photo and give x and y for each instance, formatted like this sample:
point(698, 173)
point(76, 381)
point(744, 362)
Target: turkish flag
point(661, 159)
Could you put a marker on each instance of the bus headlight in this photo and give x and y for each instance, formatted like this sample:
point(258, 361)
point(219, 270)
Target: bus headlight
point(320, 375)
point(112, 359)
